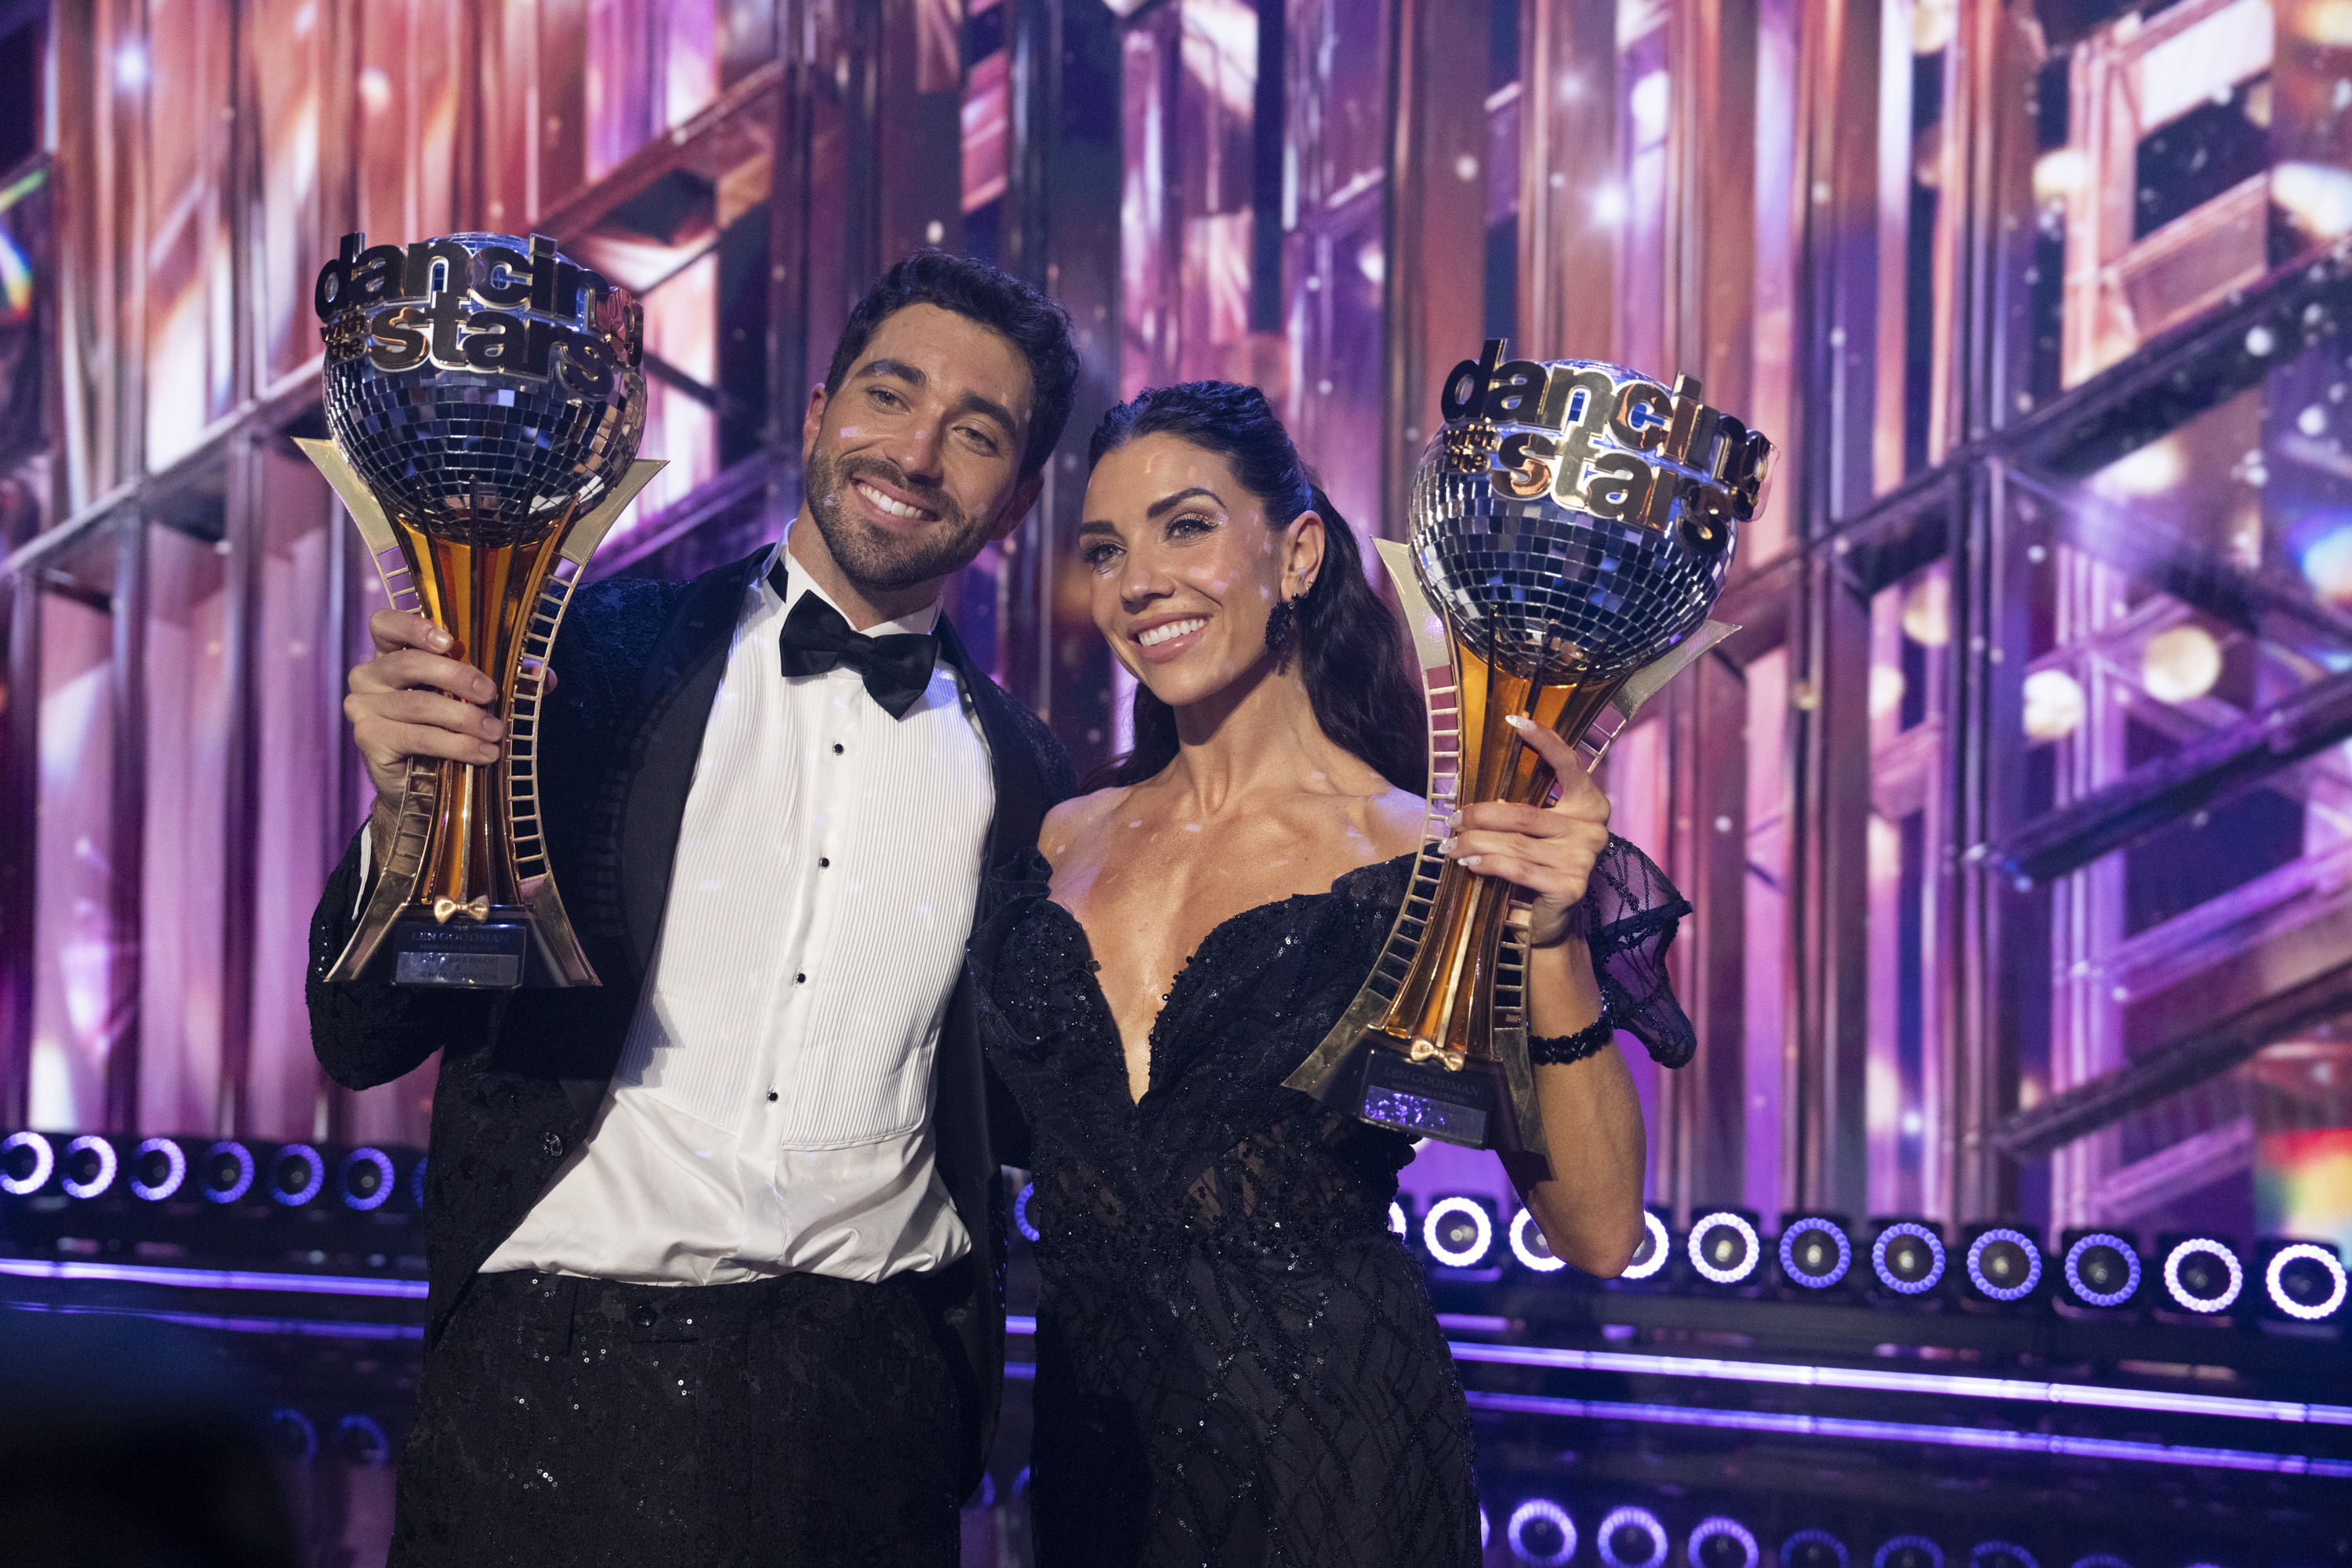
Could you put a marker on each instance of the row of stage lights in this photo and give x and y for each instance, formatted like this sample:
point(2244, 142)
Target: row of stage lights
point(1906, 1260)
point(92, 1167)
point(1542, 1533)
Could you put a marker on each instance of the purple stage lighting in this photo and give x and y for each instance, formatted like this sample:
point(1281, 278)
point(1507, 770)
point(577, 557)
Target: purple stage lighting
point(364, 1180)
point(1656, 1246)
point(296, 1175)
point(1908, 1552)
point(416, 1184)
point(1399, 1227)
point(1812, 1549)
point(2004, 1264)
point(2001, 1554)
point(1724, 1248)
point(2304, 1281)
point(1720, 1543)
point(1814, 1252)
point(1021, 1220)
point(90, 1166)
point(26, 1161)
point(1542, 1518)
point(1458, 1232)
point(2101, 1268)
point(1908, 1257)
point(1631, 1538)
point(1528, 1245)
point(227, 1172)
point(2202, 1275)
point(158, 1166)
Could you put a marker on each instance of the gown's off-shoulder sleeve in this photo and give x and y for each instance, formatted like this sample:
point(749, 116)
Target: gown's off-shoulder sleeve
point(1631, 914)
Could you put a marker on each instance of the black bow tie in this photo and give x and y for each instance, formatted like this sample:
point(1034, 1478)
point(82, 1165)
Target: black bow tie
point(897, 668)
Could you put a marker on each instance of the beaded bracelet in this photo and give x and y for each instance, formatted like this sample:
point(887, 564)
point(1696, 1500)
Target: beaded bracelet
point(1556, 1050)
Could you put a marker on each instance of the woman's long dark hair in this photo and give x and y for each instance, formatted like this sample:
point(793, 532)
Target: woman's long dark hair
point(1351, 649)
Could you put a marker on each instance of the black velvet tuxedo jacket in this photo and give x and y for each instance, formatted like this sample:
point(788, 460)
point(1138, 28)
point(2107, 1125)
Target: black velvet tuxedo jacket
point(523, 1072)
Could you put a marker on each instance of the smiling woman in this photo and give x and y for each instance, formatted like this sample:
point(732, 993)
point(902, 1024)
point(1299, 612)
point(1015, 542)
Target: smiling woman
point(1349, 646)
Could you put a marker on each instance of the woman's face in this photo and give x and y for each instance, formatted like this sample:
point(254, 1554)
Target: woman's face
point(1186, 566)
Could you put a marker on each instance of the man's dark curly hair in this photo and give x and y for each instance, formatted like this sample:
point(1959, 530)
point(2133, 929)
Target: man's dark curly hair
point(1035, 325)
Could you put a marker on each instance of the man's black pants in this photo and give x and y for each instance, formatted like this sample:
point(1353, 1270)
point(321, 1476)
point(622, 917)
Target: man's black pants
point(795, 1421)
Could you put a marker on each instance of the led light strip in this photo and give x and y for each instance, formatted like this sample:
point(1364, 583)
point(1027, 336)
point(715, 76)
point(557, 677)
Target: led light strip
point(215, 1278)
point(309, 1328)
point(1910, 1431)
point(1873, 1380)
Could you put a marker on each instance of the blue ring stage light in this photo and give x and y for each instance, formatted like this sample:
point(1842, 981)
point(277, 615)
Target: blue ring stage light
point(386, 1180)
point(1987, 1552)
point(98, 1182)
point(1021, 1211)
point(2202, 1246)
point(243, 1158)
point(1720, 1274)
point(1886, 1277)
point(1717, 1527)
point(44, 1162)
point(1815, 1539)
point(417, 1184)
point(2074, 1269)
point(1992, 1239)
point(1540, 1510)
point(1631, 1518)
point(1657, 1245)
point(1528, 1245)
point(1399, 1227)
point(2275, 1281)
point(1816, 1226)
point(2101, 1560)
point(288, 1423)
point(1432, 1224)
point(1931, 1554)
point(313, 1175)
point(361, 1439)
point(175, 1169)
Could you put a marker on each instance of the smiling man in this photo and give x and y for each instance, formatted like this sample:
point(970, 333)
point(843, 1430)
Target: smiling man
point(709, 1245)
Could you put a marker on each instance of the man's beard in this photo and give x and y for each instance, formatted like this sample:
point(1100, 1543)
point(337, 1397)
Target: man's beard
point(873, 558)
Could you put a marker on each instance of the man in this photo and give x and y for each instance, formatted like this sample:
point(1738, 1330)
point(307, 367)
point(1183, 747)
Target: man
point(713, 1247)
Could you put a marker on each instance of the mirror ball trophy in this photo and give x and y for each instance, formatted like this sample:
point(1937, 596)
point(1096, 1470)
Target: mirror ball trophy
point(1569, 530)
point(486, 396)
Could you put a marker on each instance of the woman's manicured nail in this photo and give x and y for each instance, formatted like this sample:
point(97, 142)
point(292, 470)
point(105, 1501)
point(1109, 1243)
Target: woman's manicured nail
point(1517, 721)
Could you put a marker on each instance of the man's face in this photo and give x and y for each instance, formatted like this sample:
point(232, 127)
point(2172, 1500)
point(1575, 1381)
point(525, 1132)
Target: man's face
point(914, 461)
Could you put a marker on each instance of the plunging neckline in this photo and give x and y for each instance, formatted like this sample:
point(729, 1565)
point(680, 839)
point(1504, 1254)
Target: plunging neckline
point(1184, 971)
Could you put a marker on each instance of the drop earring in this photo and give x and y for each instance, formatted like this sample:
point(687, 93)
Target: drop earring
point(1281, 627)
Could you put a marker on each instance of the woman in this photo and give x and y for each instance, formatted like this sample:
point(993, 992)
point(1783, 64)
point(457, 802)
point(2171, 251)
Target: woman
point(1236, 1362)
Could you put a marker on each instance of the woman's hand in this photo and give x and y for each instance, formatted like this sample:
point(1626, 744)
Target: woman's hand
point(1549, 850)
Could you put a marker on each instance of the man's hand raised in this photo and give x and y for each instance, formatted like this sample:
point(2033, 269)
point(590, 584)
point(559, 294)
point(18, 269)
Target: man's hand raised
point(401, 705)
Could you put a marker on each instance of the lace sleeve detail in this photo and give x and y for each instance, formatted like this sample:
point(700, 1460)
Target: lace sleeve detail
point(1632, 912)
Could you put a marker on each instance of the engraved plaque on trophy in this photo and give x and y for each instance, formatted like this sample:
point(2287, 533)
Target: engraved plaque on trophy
point(1569, 529)
point(486, 397)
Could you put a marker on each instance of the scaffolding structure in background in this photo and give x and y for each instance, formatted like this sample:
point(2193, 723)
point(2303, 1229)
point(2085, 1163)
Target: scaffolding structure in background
point(2016, 818)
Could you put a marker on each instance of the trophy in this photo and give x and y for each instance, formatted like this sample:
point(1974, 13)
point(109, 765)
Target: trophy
point(1570, 528)
point(486, 399)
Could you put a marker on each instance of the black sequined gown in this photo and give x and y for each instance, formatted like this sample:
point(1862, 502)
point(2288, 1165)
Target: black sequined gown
point(1237, 1363)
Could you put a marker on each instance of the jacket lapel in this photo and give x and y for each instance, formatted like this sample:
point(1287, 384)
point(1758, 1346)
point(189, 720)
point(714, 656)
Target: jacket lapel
point(1020, 803)
point(680, 682)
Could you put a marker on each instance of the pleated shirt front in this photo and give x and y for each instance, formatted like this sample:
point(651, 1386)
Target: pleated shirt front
point(772, 1109)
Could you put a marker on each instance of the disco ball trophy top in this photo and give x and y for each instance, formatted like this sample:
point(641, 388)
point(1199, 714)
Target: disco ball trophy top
point(1569, 529)
point(486, 396)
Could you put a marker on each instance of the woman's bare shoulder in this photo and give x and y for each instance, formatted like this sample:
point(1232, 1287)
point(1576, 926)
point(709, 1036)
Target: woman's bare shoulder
point(1396, 819)
point(1070, 822)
